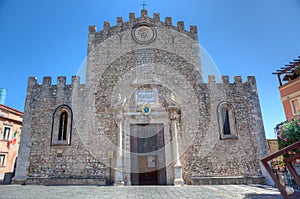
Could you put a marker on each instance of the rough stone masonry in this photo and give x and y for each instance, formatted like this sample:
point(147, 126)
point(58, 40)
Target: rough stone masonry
point(143, 116)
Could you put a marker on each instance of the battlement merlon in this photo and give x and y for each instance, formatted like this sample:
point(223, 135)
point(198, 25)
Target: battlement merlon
point(32, 81)
point(121, 26)
point(237, 80)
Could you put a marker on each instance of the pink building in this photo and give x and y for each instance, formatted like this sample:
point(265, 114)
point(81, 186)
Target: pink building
point(10, 130)
point(289, 80)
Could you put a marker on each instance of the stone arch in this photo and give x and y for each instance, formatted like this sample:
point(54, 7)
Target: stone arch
point(110, 103)
point(123, 64)
point(116, 70)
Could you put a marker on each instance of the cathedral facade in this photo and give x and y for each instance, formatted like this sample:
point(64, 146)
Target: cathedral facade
point(144, 115)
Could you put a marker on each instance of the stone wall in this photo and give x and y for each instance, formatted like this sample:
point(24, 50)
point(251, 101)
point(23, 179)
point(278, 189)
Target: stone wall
point(210, 156)
point(42, 163)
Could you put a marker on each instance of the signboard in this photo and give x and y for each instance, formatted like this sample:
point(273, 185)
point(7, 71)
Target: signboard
point(110, 154)
point(146, 97)
point(151, 161)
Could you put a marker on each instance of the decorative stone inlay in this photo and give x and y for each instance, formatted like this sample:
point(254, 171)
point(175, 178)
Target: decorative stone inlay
point(173, 114)
point(143, 33)
point(146, 109)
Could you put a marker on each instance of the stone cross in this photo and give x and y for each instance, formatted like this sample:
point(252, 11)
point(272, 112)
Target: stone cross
point(144, 5)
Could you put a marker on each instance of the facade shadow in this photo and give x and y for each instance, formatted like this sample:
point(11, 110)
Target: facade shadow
point(262, 196)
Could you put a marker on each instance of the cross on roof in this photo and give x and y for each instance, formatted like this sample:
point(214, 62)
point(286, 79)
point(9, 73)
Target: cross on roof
point(144, 5)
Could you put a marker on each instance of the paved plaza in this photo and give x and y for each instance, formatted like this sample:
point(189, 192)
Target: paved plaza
point(111, 192)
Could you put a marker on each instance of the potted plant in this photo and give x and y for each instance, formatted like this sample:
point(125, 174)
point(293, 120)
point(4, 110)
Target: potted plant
point(281, 165)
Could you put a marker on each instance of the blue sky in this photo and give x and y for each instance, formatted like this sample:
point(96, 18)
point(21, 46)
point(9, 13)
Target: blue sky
point(243, 37)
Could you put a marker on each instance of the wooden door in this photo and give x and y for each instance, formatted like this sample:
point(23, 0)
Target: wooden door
point(145, 141)
point(148, 170)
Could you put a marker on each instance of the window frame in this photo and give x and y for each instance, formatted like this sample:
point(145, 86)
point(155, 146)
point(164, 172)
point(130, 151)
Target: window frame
point(63, 126)
point(56, 126)
point(7, 136)
point(295, 112)
point(225, 120)
point(231, 121)
point(3, 160)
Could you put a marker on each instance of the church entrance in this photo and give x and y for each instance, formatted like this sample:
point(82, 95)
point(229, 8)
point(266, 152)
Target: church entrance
point(147, 154)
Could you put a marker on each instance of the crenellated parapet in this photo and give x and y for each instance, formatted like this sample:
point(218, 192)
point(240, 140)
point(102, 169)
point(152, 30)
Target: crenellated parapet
point(75, 82)
point(49, 95)
point(155, 21)
point(236, 80)
point(237, 84)
point(48, 88)
point(47, 81)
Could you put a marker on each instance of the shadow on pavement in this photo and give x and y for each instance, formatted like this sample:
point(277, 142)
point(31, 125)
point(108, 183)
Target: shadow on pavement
point(262, 196)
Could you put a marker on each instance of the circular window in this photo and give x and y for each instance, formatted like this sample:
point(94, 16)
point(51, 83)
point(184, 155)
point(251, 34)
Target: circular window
point(143, 33)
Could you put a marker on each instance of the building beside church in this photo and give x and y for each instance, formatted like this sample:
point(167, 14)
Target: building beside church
point(144, 115)
point(289, 88)
point(10, 129)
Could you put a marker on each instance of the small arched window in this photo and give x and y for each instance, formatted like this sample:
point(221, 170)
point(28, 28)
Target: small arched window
point(227, 124)
point(225, 121)
point(62, 126)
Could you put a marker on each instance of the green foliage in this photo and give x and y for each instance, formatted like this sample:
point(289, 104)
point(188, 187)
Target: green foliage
point(297, 71)
point(288, 133)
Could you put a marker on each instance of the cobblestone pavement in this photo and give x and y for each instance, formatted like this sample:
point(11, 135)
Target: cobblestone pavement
point(111, 192)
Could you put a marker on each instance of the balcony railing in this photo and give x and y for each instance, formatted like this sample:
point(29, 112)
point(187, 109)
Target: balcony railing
point(295, 155)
